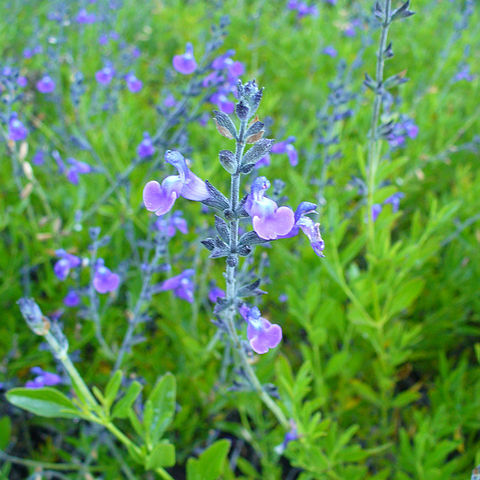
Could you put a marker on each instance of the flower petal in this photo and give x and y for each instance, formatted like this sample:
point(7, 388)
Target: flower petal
point(160, 198)
point(278, 223)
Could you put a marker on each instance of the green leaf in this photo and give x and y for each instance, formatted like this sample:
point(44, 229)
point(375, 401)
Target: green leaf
point(46, 402)
point(162, 455)
point(409, 291)
point(122, 407)
point(209, 465)
point(112, 387)
point(5, 431)
point(159, 408)
point(404, 398)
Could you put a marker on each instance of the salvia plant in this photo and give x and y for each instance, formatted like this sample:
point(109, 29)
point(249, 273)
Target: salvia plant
point(311, 312)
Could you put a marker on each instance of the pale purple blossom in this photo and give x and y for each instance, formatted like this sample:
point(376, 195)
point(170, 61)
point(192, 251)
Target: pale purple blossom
point(330, 51)
point(182, 285)
point(105, 75)
point(160, 198)
point(43, 379)
point(269, 220)
point(22, 81)
point(286, 146)
point(84, 17)
point(185, 63)
point(76, 168)
point(46, 84)
point(171, 224)
point(262, 335)
point(215, 293)
point(16, 129)
point(133, 83)
point(104, 280)
point(146, 148)
point(63, 266)
point(72, 299)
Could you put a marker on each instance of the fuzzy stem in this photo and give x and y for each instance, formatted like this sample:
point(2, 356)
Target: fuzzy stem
point(231, 293)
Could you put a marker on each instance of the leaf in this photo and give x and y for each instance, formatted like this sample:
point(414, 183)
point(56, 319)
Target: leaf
point(224, 125)
point(259, 150)
point(122, 407)
point(162, 455)
point(5, 431)
point(160, 407)
point(209, 465)
point(45, 402)
point(409, 291)
point(113, 385)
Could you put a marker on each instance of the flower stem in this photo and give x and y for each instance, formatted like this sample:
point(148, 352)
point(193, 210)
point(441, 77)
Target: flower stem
point(231, 293)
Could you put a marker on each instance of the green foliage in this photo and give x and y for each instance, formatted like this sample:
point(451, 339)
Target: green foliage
point(210, 464)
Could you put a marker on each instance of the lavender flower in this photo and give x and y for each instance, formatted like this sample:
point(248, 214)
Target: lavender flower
point(269, 220)
point(376, 210)
point(169, 226)
point(261, 334)
point(185, 63)
point(308, 227)
point(160, 198)
point(215, 293)
point(46, 84)
point(464, 74)
point(105, 75)
point(394, 200)
point(72, 299)
point(330, 51)
point(38, 158)
point(43, 379)
point(145, 148)
point(84, 17)
point(287, 147)
point(133, 83)
point(182, 285)
point(22, 81)
point(16, 129)
point(103, 279)
point(63, 266)
point(77, 168)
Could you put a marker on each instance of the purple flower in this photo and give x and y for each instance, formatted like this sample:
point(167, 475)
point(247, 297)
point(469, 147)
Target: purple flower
point(185, 64)
point(103, 279)
point(67, 261)
point(376, 209)
point(83, 17)
point(182, 285)
point(46, 84)
point(308, 227)
point(330, 51)
point(105, 75)
point(22, 81)
point(287, 147)
point(133, 83)
point(43, 379)
point(464, 74)
point(77, 168)
point(145, 148)
point(38, 158)
point(160, 198)
point(16, 129)
point(72, 299)
point(221, 100)
point(261, 334)
point(170, 101)
point(103, 39)
point(269, 220)
point(215, 293)
point(170, 225)
point(394, 200)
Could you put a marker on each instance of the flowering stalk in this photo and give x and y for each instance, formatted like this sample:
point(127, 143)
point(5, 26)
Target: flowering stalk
point(231, 282)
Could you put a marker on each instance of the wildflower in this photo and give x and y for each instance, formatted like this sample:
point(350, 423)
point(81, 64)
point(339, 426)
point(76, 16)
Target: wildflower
point(394, 200)
point(76, 169)
point(330, 51)
point(308, 227)
point(170, 225)
point(83, 17)
point(105, 75)
point(16, 129)
point(376, 209)
point(160, 198)
point(182, 285)
point(269, 220)
point(287, 147)
point(22, 81)
point(133, 83)
point(72, 299)
point(169, 101)
point(464, 74)
point(63, 266)
point(103, 279)
point(261, 334)
point(186, 63)
point(39, 157)
point(145, 148)
point(221, 100)
point(46, 84)
point(43, 379)
point(290, 436)
point(215, 293)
